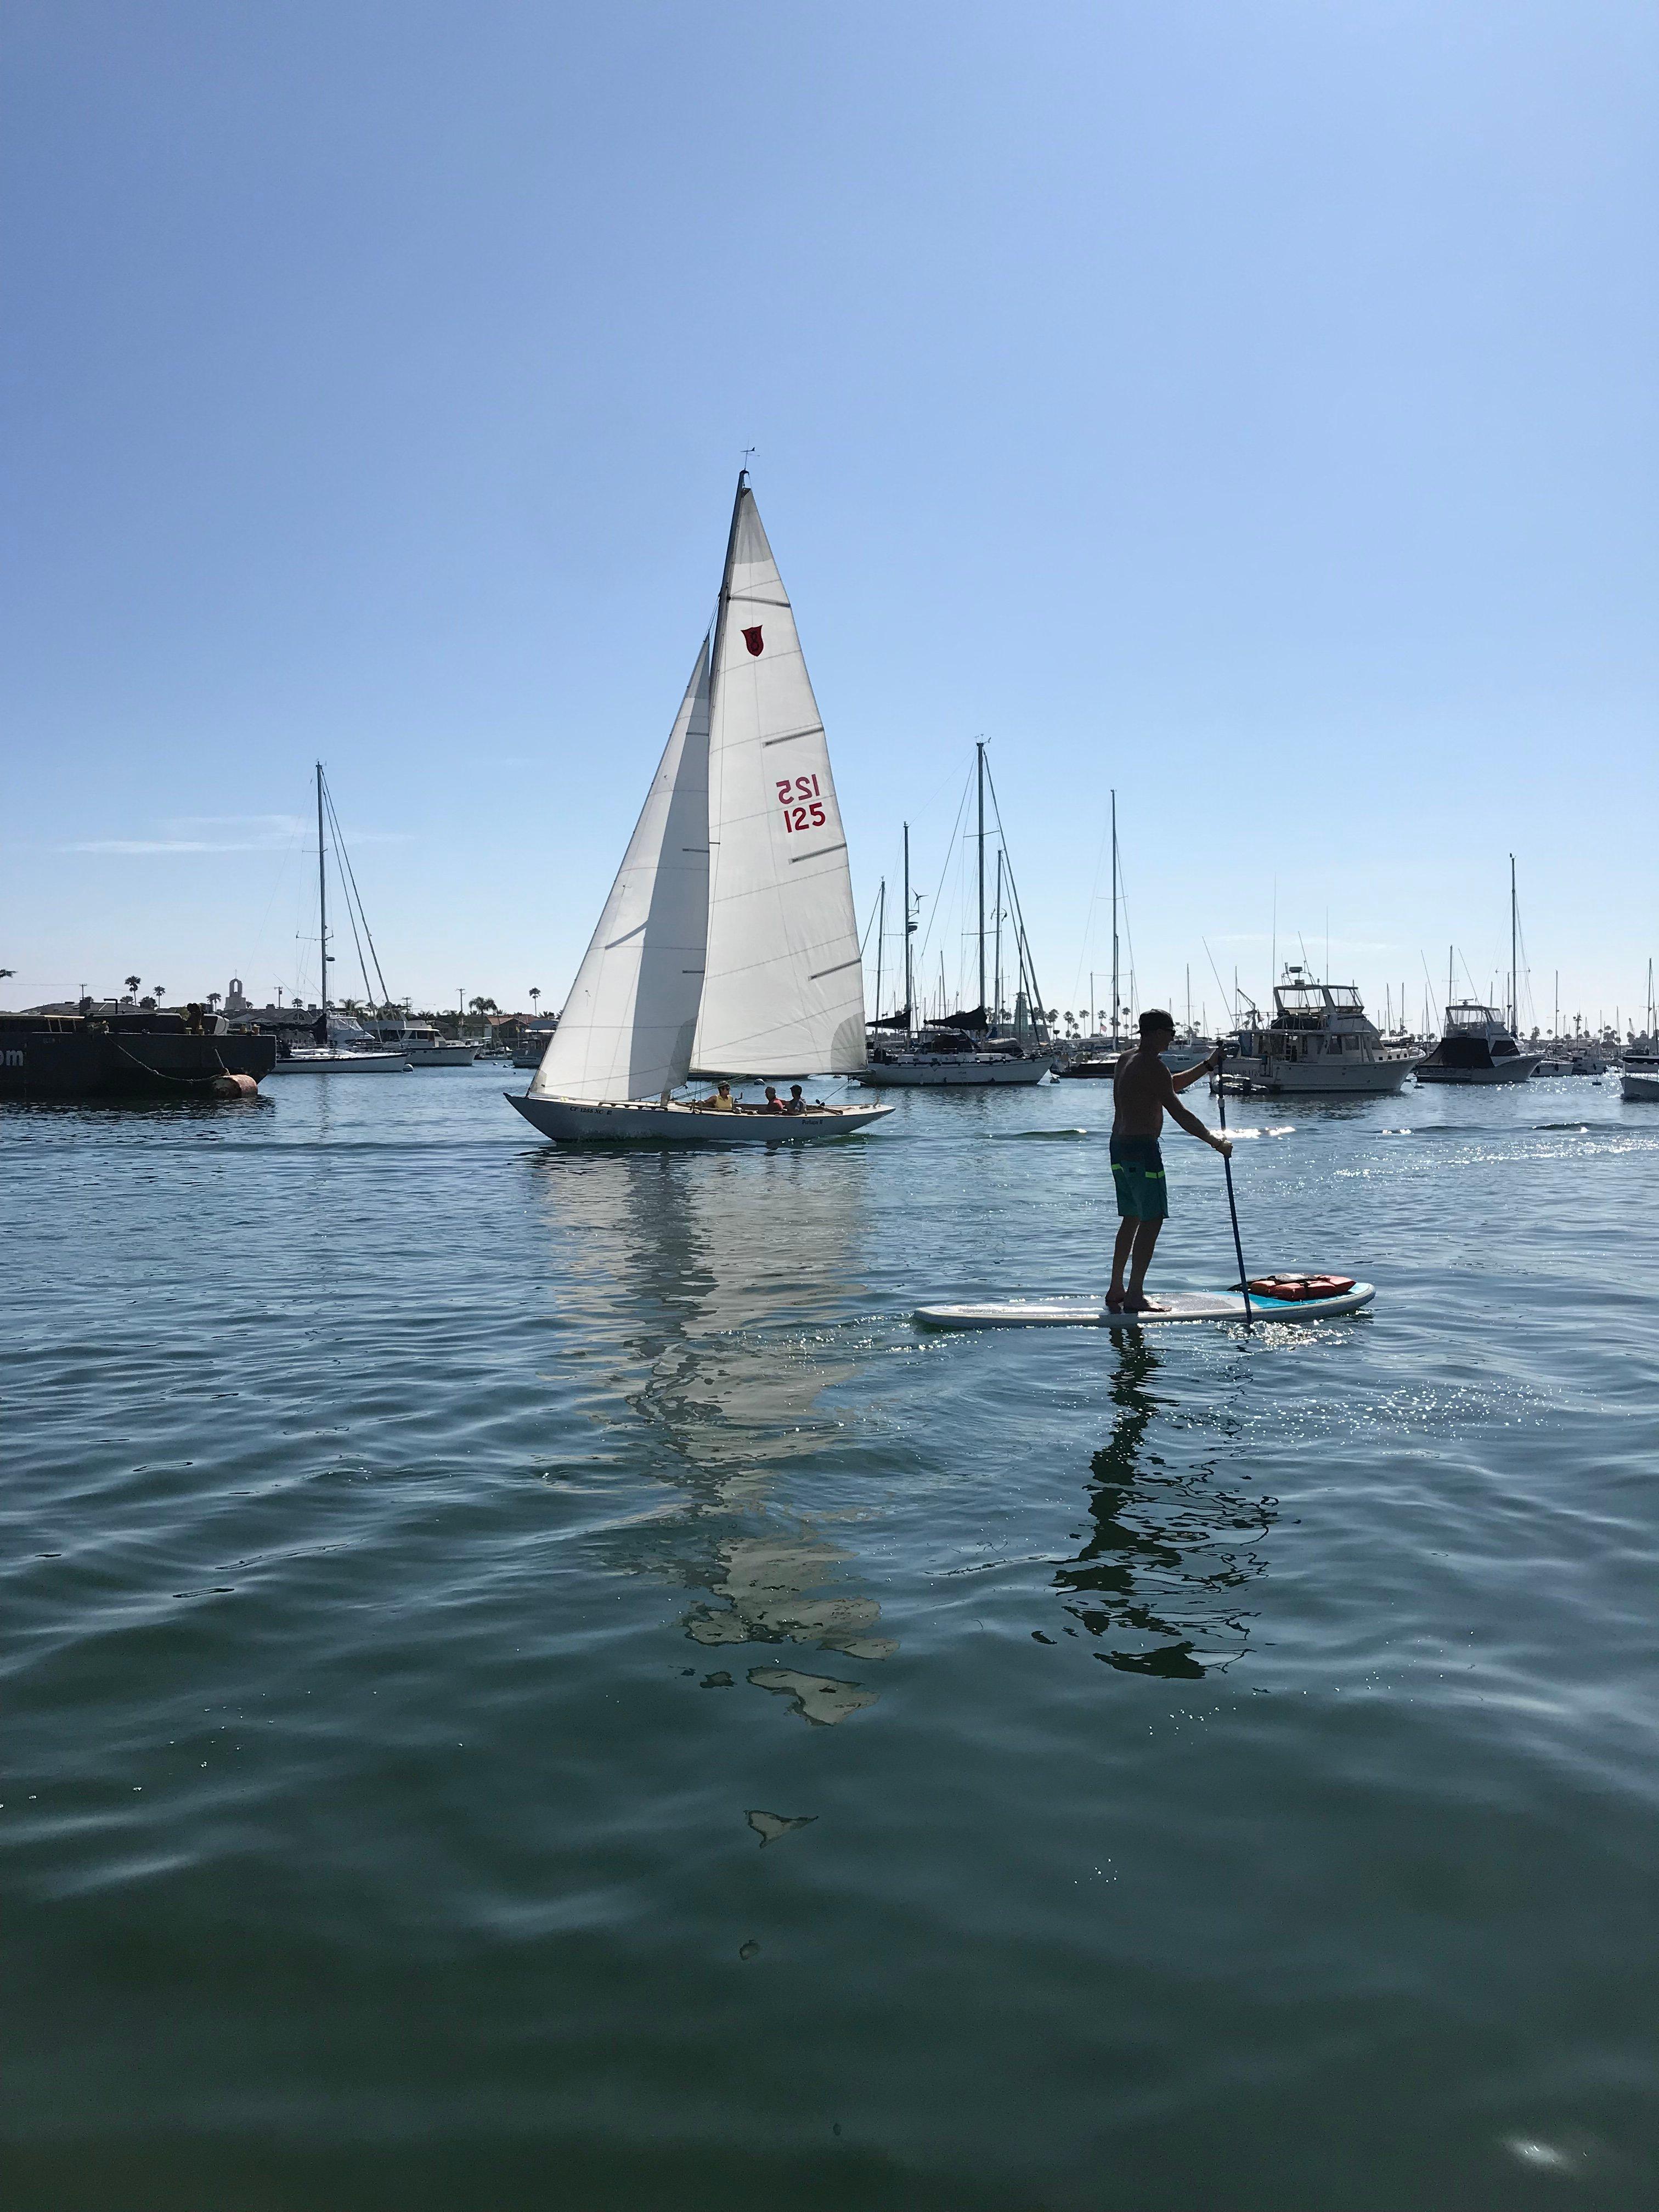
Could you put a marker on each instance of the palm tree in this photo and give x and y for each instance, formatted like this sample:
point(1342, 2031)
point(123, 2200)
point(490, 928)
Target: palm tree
point(214, 998)
point(484, 1006)
point(535, 1002)
point(133, 984)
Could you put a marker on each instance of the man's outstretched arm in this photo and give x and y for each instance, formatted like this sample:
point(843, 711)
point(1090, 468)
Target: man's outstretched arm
point(1189, 1076)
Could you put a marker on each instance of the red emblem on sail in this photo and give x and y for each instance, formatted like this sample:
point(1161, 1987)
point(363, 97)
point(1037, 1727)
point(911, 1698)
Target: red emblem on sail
point(752, 638)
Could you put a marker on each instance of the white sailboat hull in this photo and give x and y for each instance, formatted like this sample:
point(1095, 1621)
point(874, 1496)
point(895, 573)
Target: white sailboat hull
point(327, 1063)
point(575, 1122)
point(1640, 1085)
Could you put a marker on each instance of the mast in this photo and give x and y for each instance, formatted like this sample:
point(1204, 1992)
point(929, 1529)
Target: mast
point(997, 985)
point(322, 900)
point(1515, 973)
point(979, 751)
point(881, 930)
point(909, 932)
point(1115, 1044)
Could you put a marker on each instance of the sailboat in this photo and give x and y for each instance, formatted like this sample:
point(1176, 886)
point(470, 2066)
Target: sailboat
point(728, 944)
point(968, 1048)
point(343, 1047)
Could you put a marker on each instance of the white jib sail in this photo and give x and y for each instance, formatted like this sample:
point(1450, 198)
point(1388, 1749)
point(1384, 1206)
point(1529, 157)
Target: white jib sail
point(627, 1026)
point(784, 990)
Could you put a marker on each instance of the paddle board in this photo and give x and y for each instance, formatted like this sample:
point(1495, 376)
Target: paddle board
point(1169, 1306)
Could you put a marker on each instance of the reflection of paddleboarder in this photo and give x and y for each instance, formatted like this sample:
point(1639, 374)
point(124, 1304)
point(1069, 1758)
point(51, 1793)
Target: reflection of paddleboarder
point(1143, 1090)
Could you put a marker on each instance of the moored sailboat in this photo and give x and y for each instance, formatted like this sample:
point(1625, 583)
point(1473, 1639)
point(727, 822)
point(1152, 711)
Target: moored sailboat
point(728, 943)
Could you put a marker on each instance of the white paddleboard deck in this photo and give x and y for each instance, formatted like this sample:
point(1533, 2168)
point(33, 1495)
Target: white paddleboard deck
point(1170, 1306)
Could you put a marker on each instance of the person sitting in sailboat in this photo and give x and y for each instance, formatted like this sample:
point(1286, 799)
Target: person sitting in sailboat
point(721, 1103)
point(797, 1104)
point(773, 1103)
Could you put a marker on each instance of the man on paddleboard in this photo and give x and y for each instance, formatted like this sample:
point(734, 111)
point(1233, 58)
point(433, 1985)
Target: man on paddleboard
point(1143, 1091)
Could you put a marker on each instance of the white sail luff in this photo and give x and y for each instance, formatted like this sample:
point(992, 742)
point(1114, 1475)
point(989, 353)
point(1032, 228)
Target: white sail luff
point(627, 1026)
point(783, 993)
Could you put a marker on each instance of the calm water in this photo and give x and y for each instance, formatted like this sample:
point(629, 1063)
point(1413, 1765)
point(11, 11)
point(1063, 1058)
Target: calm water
point(527, 1681)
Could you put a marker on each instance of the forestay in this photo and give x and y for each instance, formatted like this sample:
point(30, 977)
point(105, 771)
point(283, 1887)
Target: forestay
point(627, 1027)
point(784, 990)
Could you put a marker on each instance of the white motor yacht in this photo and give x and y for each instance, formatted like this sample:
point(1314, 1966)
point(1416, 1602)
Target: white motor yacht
point(1479, 1047)
point(1638, 1074)
point(1319, 1043)
point(422, 1046)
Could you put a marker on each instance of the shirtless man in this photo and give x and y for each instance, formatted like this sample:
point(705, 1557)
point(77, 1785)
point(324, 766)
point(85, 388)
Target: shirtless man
point(1144, 1089)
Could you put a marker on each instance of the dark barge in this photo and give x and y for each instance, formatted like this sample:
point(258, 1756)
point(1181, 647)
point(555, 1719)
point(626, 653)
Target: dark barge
point(128, 1055)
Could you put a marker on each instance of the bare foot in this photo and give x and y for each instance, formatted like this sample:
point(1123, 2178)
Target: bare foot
point(1115, 1301)
point(1137, 1302)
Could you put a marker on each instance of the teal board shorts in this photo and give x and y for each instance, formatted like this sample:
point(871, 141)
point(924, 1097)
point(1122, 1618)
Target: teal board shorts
point(1138, 1173)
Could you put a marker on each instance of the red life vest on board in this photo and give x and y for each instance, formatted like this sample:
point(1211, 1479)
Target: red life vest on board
point(1293, 1288)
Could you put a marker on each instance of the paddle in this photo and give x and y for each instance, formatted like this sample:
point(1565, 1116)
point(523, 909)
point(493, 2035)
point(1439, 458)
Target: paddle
point(1232, 1203)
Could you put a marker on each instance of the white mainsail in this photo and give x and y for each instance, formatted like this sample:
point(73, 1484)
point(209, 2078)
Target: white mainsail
point(783, 993)
point(627, 1026)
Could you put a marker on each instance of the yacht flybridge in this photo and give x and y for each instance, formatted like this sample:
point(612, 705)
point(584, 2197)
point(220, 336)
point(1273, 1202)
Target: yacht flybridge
point(1319, 1041)
point(728, 943)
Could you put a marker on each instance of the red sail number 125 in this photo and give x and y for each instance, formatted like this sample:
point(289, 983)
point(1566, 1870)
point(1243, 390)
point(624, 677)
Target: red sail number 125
point(797, 795)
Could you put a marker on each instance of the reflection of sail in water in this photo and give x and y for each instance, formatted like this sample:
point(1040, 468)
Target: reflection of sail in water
point(724, 1272)
point(1168, 1552)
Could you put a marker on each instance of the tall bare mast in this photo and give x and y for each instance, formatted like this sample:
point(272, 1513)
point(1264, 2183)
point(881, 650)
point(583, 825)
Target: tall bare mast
point(1515, 973)
point(1114, 986)
point(909, 932)
point(322, 899)
point(881, 932)
point(979, 750)
point(997, 985)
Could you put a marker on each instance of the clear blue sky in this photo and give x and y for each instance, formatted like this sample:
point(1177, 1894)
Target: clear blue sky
point(1249, 405)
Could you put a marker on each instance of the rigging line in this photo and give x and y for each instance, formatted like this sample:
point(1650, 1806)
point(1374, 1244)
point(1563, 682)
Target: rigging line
point(1428, 980)
point(1022, 940)
point(328, 798)
point(949, 850)
point(345, 859)
point(1128, 936)
point(875, 904)
point(1214, 970)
